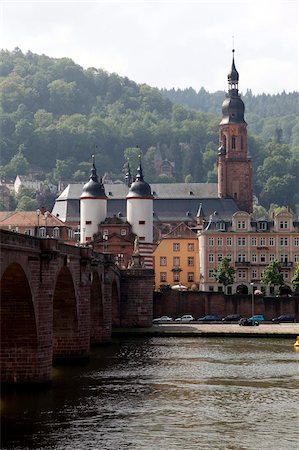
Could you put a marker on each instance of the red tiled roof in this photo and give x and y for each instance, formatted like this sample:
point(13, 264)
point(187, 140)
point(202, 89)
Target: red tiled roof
point(28, 218)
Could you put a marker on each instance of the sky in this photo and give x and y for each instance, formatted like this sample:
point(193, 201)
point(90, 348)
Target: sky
point(165, 43)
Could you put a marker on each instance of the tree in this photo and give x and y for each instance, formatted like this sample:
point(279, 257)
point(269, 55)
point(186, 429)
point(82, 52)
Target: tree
point(225, 273)
point(295, 279)
point(272, 275)
point(27, 204)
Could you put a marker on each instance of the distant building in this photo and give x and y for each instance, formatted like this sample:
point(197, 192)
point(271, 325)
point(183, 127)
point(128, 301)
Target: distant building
point(251, 245)
point(30, 183)
point(39, 223)
point(176, 258)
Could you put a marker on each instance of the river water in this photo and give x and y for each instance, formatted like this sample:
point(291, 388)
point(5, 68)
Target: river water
point(164, 394)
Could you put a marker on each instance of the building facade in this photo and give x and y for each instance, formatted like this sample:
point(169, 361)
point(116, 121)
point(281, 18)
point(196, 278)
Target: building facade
point(251, 245)
point(176, 259)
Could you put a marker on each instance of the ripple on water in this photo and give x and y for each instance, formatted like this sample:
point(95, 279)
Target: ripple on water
point(166, 394)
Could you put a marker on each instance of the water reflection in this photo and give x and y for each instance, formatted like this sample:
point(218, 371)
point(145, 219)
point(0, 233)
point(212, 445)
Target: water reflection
point(163, 393)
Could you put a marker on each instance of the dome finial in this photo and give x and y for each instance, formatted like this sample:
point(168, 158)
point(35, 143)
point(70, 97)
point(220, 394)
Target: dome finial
point(139, 176)
point(233, 76)
point(128, 176)
point(93, 172)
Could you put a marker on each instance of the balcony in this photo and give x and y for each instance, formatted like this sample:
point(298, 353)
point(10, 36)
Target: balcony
point(285, 264)
point(242, 264)
point(176, 269)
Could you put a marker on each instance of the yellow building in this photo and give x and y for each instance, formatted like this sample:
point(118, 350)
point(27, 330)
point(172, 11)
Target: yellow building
point(176, 258)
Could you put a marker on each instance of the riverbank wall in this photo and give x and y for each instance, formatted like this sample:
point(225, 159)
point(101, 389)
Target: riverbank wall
point(199, 304)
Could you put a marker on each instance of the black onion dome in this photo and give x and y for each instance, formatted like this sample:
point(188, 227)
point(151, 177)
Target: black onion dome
point(139, 188)
point(94, 187)
point(233, 110)
point(233, 76)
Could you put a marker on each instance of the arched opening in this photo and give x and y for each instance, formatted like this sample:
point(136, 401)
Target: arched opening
point(115, 305)
point(242, 289)
point(18, 327)
point(96, 310)
point(65, 321)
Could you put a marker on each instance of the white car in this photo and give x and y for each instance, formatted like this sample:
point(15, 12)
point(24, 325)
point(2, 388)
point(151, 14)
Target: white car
point(185, 319)
point(163, 319)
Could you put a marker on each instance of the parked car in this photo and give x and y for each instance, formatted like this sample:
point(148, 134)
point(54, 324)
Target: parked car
point(232, 318)
point(163, 319)
point(248, 323)
point(257, 318)
point(210, 318)
point(186, 318)
point(284, 318)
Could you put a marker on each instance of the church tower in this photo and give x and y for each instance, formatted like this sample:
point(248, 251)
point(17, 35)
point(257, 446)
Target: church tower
point(93, 206)
point(234, 163)
point(140, 215)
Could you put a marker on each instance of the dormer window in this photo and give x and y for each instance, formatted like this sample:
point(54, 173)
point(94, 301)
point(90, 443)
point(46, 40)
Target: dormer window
point(56, 233)
point(241, 224)
point(262, 226)
point(283, 224)
point(221, 226)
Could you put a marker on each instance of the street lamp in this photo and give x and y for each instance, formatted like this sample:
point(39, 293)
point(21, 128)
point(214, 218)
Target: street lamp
point(46, 218)
point(252, 299)
point(38, 214)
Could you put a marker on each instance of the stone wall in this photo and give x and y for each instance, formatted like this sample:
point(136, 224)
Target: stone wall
point(136, 297)
point(199, 304)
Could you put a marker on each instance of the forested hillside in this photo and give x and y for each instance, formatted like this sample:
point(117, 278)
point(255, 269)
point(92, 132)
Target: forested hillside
point(55, 114)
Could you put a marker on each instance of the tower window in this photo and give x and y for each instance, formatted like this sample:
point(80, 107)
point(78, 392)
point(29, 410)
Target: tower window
point(234, 139)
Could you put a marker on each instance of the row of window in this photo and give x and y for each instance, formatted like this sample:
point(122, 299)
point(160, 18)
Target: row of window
point(176, 247)
point(41, 232)
point(262, 241)
point(123, 232)
point(176, 277)
point(242, 257)
point(176, 261)
point(244, 274)
point(243, 225)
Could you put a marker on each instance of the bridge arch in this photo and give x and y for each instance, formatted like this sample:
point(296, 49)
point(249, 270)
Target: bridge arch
point(19, 337)
point(65, 317)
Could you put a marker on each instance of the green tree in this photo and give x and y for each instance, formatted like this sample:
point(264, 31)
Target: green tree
point(225, 273)
point(272, 275)
point(295, 279)
point(18, 164)
point(27, 204)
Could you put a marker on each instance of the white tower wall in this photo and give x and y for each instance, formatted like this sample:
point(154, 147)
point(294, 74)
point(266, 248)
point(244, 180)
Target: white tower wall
point(140, 216)
point(92, 212)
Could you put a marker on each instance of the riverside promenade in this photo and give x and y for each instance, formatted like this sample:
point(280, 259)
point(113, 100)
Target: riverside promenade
point(288, 330)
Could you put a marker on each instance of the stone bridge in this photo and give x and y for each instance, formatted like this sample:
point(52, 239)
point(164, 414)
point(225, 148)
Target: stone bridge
point(57, 300)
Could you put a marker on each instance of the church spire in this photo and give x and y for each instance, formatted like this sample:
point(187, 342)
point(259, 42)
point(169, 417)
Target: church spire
point(233, 77)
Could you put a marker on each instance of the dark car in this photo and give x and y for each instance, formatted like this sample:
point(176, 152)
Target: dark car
point(210, 318)
point(284, 318)
point(232, 318)
point(248, 323)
